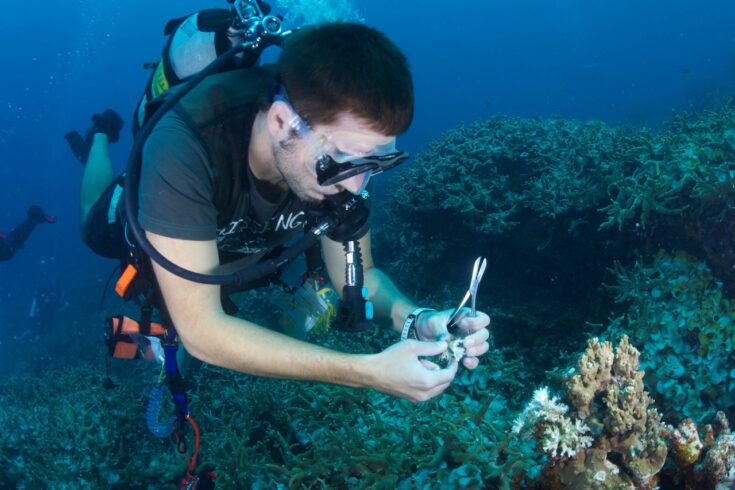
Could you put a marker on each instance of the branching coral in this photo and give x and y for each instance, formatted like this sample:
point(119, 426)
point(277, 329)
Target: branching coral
point(687, 169)
point(487, 173)
point(338, 437)
point(558, 436)
point(630, 427)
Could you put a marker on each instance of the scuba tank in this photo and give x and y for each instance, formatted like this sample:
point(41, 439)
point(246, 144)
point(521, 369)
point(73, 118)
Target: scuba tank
point(195, 41)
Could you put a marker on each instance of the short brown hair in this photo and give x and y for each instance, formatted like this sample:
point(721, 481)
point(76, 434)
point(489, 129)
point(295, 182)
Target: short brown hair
point(334, 68)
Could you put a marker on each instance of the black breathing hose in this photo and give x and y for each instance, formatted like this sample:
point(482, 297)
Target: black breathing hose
point(132, 176)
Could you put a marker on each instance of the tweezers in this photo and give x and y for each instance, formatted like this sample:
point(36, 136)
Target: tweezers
point(478, 270)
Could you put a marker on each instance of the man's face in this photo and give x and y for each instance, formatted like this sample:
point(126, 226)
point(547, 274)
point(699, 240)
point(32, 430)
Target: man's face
point(296, 156)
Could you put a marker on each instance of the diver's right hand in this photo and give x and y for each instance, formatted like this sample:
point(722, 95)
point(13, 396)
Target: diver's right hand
point(400, 372)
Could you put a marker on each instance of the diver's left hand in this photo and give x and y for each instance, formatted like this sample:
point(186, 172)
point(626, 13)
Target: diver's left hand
point(432, 325)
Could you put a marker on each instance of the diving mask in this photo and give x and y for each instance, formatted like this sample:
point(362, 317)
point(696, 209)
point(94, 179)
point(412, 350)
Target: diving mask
point(335, 165)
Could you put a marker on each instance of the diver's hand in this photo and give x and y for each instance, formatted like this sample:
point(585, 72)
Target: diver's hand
point(432, 325)
point(400, 372)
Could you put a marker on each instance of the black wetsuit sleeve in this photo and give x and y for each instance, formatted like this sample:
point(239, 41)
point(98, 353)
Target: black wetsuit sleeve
point(176, 186)
point(17, 238)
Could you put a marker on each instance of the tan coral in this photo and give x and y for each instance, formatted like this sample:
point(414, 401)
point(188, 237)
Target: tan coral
point(709, 435)
point(629, 427)
point(721, 425)
point(626, 359)
point(593, 373)
point(626, 405)
point(718, 467)
point(686, 444)
point(592, 469)
point(646, 454)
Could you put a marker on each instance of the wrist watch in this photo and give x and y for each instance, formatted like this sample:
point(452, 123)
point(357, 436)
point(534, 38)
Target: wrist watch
point(409, 326)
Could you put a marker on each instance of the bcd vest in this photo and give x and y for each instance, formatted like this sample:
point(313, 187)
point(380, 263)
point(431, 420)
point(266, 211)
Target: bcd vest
point(220, 112)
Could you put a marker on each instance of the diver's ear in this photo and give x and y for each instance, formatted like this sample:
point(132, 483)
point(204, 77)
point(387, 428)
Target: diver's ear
point(278, 117)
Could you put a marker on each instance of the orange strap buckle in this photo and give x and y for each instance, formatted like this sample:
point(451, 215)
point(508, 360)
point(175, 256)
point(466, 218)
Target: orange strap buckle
point(126, 278)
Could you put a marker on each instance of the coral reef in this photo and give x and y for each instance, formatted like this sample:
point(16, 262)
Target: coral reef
point(611, 415)
point(303, 435)
point(262, 433)
point(692, 160)
point(685, 182)
point(553, 204)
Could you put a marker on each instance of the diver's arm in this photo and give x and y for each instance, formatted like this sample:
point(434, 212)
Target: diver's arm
point(222, 340)
point(387, 300)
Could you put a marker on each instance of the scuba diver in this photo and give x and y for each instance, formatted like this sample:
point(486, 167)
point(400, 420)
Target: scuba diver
point(229, 170)
point(10, 243)
point(228, 175)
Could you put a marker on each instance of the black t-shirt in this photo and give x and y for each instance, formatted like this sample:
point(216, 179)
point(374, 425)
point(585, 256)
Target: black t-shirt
point(178, 189)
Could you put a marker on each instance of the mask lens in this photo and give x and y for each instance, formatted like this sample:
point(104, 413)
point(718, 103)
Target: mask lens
point(341, 156)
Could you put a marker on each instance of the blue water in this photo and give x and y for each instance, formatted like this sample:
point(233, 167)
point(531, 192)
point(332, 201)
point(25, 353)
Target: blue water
point(622, 61)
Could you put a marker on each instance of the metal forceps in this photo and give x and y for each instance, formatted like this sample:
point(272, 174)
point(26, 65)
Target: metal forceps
point(478, 270)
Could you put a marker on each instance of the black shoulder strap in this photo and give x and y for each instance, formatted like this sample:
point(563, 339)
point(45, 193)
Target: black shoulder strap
point(174, 24)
